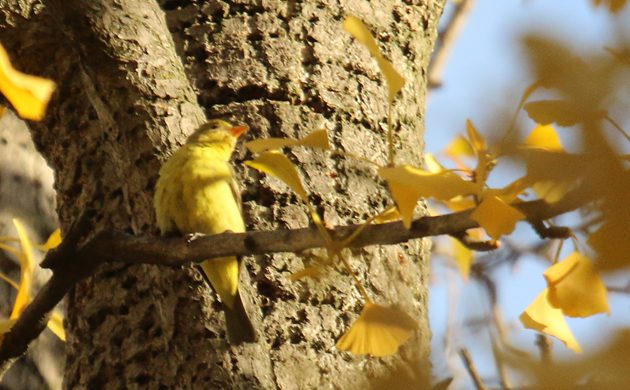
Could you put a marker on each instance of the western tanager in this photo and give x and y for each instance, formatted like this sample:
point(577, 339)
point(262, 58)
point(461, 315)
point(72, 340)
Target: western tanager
point(196, 193)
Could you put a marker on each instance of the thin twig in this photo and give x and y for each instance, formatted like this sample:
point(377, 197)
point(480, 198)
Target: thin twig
point(544, 345)
point(446, 41)
point(472, 369)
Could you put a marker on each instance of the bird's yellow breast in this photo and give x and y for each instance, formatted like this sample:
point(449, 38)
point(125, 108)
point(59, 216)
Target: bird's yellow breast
point(194, 194)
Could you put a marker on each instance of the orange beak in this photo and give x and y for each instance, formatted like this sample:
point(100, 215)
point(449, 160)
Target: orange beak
point(237, 131)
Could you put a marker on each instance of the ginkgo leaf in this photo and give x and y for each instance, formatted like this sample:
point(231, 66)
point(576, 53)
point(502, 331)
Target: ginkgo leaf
point(562, 112)
point(28, 94)
point(610, 242)
point(551, 191)
point(278, 165)
point(576, 288)
point(316, 139)
point(407, 184)
point(463, 257)
point(621, 55)
point(613, 5)
point(27, 265)
point(5, 326)
point(496, 217)
point(378, 331)
point(389, 215)
point(53, 241)
point(544, 137)
point(459, 147)
point(432, 164)
point(477, 141)
point(560, 167)
point(360, 32)
point(542, 317)
point(55, 324)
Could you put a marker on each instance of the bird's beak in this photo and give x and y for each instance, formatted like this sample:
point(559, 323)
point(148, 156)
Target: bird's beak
point(237, 131)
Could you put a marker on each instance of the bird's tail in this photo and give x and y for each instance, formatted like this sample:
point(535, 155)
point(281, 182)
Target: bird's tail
point(223, 275)
point(239, 327)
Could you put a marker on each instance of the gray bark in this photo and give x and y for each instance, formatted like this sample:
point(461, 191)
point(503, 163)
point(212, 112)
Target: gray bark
point(26, 192)
point(284, 68)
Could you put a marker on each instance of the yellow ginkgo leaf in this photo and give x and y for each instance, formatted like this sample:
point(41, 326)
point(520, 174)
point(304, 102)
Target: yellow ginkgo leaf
point(278, 165)
point(27, 265)
point(389, 215)
point(542, 317)
point(28, 94)
point(477, 141)
point(316, 139)
point(407, 184)
point(496, 217)
point(432, 164)
point(55, 324)
point(378, 331)
point(5, 326)
point(544, 137)
point(610, 242)
point(53, 241)
point(360, 32)
point(576, 288)
point(463, 257)
point(551, 191)
point(459, 147)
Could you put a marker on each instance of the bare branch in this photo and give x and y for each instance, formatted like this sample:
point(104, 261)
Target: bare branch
point(446, 41)
point(472, 369)
point(72, 261)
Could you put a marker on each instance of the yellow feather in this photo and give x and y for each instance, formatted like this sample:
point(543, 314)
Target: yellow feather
point(194, 195)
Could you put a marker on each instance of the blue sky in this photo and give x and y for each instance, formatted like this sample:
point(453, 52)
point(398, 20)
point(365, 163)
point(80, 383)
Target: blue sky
point(484, 74)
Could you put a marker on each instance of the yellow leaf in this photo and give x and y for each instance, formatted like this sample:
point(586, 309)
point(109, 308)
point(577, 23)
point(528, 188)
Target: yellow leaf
point(389, 215)
point(55, 324)
point(407, 184)
point(613, 5)
point(378, 331)
point(5, 326)
point(543, 317)
point(562, 112)
point(610, 241)
point(544, 137)
point(360, 32)
point(477, 141)
point(463, 257)
point(432, 164)
point(576, 288)
point(28, 94)
point(7, 279)
point(460, 146)
point(53, 241)
point(278, 165)
point(551, 191)
point(27, 265)
point(316, 139)
point(496, 217)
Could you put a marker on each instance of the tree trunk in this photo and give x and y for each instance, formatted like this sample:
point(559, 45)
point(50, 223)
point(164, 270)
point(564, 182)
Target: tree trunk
point(285, 68)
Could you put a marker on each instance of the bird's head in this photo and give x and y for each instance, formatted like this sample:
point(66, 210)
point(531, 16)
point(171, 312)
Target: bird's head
point(216, 133)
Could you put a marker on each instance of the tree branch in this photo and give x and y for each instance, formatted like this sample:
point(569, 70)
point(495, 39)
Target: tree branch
point(72, 262)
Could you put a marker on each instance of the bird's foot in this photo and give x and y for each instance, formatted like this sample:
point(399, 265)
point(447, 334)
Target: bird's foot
point(193, 236)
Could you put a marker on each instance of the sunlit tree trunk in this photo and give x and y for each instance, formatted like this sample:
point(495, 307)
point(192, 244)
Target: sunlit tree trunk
point(286, 68)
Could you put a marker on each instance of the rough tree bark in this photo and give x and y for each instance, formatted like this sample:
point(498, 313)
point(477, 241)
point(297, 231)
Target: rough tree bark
point(285, 68)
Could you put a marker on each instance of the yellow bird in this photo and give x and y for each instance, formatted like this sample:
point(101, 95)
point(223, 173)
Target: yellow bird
point(196, 193)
